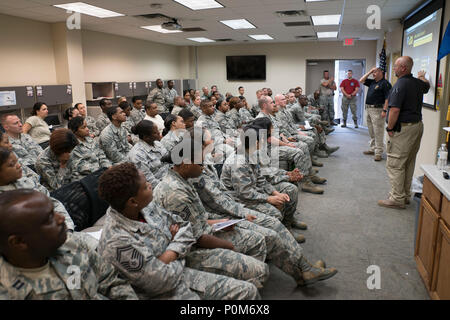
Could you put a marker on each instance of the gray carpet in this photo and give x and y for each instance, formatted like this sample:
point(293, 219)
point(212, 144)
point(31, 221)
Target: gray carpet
point(350, 231)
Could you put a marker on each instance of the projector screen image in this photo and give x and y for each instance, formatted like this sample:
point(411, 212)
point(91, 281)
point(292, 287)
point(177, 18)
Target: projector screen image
point(421, 42)
point(246, 67)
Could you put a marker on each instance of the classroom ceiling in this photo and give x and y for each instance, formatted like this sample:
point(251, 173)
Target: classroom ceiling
point(261, 13)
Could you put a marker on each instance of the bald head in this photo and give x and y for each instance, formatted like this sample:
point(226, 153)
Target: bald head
point(403, 66)
point(266, 104)
point(280, 100)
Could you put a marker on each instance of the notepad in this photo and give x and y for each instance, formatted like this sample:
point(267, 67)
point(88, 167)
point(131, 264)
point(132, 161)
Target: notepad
point(222, 225)
point(96, 234)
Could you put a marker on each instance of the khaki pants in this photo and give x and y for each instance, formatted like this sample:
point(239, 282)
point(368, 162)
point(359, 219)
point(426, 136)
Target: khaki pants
point(402, 149)
point(375, 124)
point(344, 106)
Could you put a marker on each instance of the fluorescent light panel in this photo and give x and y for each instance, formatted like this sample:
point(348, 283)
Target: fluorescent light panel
point(158, 28)
point(200, 4)
point(238, 24)
point(332, 34)
point(315, 0)
point(260, 36)
point(85, 8)
point(201, 39)
point(326, 20)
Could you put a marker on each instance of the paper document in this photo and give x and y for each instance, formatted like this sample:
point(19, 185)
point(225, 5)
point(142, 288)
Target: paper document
point(96, 234)
point(7, 98)
point(307, 125)
point(222, 225)
point(446, 129)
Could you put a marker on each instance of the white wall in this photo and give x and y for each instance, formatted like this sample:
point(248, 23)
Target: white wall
point(26, 54)
point(114, 58)
point(285, 63)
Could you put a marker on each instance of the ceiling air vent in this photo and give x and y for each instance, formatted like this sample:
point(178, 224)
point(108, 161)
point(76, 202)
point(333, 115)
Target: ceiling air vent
point(297, 23)
point(194, 29)
point(305, 37)
point(291, 13)
point(223, 40)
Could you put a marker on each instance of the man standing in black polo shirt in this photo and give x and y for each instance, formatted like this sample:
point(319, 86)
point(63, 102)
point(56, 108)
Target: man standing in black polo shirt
point(376, 108)
point(405, 129)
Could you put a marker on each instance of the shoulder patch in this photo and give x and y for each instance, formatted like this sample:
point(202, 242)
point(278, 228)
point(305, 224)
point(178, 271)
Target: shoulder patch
point(131, 259)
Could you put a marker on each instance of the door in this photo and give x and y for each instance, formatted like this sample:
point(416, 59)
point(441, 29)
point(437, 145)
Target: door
point(359, 69)
point(314, 73)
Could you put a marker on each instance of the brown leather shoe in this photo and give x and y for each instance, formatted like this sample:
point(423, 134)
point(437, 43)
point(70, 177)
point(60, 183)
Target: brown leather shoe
point(377, 158)
point(388, 203)
point(369, 152)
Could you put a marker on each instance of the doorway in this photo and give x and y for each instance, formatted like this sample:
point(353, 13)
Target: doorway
point(338, 70)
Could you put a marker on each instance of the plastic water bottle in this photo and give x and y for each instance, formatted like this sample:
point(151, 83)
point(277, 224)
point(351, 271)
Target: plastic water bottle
point(442, 157)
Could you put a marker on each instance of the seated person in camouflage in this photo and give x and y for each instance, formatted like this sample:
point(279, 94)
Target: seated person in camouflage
point(178, 104)
point(54, 164)
point(87, 157)
point(174, 129)
point(27, 172)
point(161, 245)
point(23, 145)
point(39, 261)
point(70, 113)
point(195, 107)
point(234, 252)
point(147, 153)
point(234, 113)
point(188, 118)
point(90, 121)
point(128, 124)
point(11, 179)
point(245, 111)
point(222, 117)
point(113, 139)
point(137, 114)
point(103, 120)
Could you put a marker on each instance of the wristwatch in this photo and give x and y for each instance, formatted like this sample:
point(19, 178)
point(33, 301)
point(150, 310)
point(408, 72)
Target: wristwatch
point(383, 110)
point(389, 130)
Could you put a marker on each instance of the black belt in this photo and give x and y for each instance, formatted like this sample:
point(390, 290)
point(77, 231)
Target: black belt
point(374, 105)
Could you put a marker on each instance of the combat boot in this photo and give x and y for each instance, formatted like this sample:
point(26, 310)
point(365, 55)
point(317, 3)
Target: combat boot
point(308, 186)
point(321, 153)
point(329, 150)
point(344, 125)
point(316, 163)
point(318, 180)
point(314, 273)
point(328, 130)
point(323, 123)
point(297, 236)
point(297, 224)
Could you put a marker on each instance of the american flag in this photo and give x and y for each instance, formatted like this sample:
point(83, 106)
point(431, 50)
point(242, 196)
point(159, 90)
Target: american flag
point(383, 57)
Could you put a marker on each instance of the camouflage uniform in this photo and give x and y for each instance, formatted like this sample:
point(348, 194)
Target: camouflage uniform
point(300, 155)
point(217, 134)
point(26, 149)
point(88, 157)
point(124, 241)
point(245, 115)
point(256, 109)
point(91, 124)
point(235, 117)
point(27, 172)
point(53, 176)
point(98, 280)
point(157, 96)
point(147, 158)
point(242, 176)
point(196, 111)
point(170, 95)
point(102, 122)
point(282, 249)
point(172, 138)
point(177, 109)
point(114, 143)
point(178, 196)
point(136, 115)
point(225, 122)
point(26, 183)
point(127, 125)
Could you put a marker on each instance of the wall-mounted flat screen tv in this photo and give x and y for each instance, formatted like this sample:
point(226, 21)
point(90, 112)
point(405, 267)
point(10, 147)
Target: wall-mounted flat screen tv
point(246, 67)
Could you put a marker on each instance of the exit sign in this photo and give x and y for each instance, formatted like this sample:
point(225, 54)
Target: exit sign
point(349, 42)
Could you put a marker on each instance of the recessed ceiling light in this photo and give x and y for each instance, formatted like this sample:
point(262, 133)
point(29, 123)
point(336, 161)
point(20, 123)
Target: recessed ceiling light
point(201, 39)
point(85, 8)
point(260, 36)
point(326, 20)
point(315, 0)
point(158, 28)
point(238, 24)
point(332, 34)
point(200, 4)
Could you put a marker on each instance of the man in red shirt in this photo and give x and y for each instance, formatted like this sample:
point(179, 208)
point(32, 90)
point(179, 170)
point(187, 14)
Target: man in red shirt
point(349, 88)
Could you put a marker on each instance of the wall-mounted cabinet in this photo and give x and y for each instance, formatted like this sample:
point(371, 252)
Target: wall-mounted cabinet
point(55, 94)
point(189, 84)
point(141, 88)
point(123, 89)
point(14, 98)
